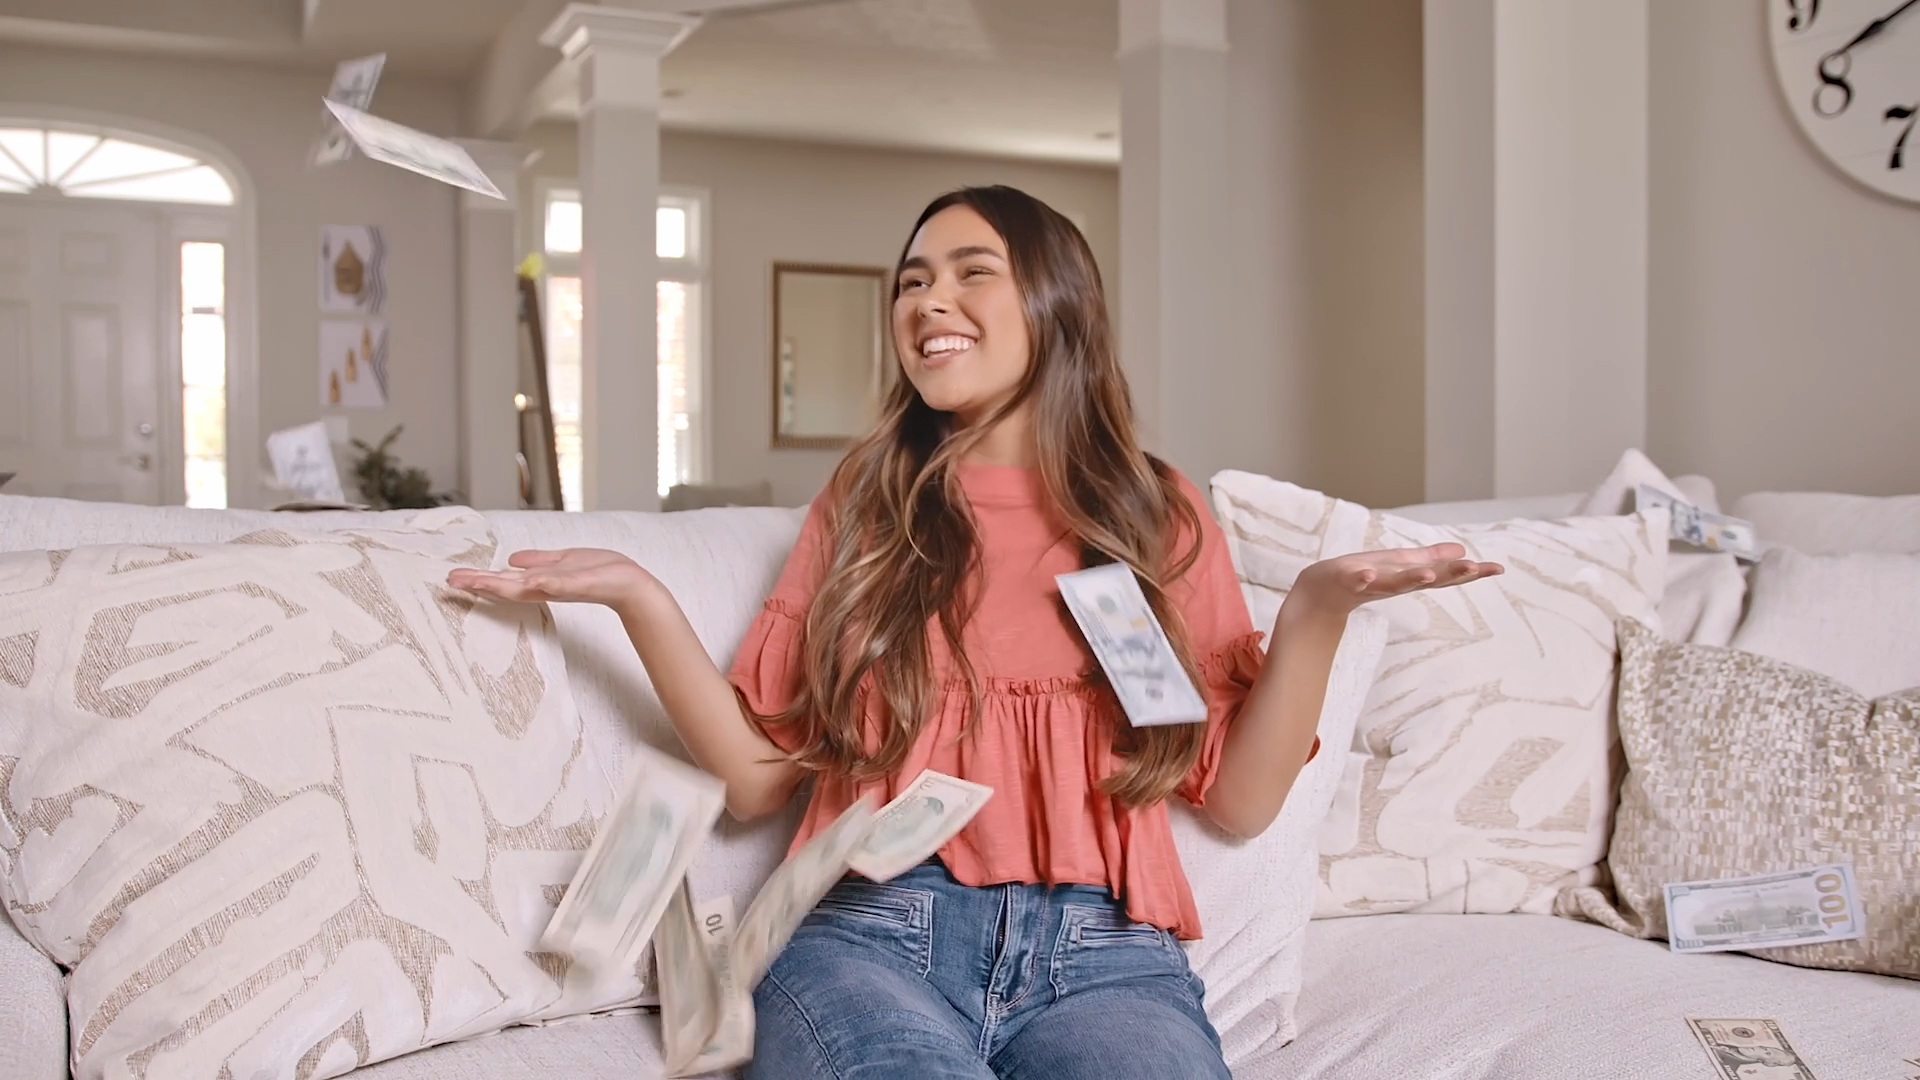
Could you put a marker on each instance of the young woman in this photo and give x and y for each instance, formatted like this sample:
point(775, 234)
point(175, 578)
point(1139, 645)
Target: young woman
point(917, 625)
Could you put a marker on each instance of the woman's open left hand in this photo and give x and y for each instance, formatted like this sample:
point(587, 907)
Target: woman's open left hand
point(1345, 582)
point(578, 575)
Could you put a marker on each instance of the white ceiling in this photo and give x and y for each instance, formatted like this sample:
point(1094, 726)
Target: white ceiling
point(1018, 77)
point(1029, 78)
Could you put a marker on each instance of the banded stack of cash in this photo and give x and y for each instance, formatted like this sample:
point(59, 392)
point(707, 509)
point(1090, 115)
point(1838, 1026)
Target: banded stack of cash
point(1691, 525)
point(632, 887)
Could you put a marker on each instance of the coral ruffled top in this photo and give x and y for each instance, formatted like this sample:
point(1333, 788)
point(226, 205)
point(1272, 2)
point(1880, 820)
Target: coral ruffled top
point(1046, 732)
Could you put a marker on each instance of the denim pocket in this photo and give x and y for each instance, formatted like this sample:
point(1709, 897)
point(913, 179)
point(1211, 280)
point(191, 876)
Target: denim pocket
point(893, 919)
point(1100, 945)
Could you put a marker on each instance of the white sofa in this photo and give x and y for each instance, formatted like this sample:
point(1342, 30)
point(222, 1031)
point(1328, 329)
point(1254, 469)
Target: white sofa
point(1393, 996)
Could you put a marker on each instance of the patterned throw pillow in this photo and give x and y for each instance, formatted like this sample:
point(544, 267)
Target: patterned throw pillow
point(288, 805)
point(1481, 772)
point(1740, 765)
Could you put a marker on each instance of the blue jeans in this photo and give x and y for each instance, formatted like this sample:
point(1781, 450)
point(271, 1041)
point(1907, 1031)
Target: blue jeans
point(927, 979)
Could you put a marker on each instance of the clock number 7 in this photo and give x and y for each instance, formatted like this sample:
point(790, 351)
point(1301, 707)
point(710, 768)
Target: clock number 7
point(1907, 113)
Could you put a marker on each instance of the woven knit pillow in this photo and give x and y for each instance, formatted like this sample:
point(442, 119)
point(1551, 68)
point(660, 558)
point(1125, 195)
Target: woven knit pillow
point(1739, 765)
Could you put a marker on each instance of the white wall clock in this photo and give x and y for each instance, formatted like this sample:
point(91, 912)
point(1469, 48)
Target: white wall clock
point(1850, 70)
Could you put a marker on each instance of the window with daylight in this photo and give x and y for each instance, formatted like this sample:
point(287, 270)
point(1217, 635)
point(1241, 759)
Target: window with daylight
point(93, 165)
point(203, 371)
point(677, 300)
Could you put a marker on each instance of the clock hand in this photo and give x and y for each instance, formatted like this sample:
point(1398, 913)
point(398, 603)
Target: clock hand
point(1874, 28)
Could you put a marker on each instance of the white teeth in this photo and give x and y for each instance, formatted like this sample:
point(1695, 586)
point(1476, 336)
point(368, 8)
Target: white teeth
point(945, 345)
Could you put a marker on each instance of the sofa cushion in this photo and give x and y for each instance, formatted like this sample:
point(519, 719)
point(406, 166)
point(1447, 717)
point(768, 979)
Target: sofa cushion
point(33, 1010)
point(1705, 590)
point(1739, 766)
point(624, 1045)
point(1854, 617)
point(1255, 896)
point(1480, 773)
point(289, 801)
point(1824, 523)
point(1498, 997)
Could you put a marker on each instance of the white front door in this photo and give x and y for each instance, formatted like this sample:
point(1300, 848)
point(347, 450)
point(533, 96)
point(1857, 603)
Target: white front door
point(80, 356)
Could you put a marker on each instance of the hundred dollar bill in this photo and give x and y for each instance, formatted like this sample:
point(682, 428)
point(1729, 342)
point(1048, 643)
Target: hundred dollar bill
point(918, 822)
point(353, 84)
point(635, 862)
point(1131, 646)
point(1691, 525)
point(1801, 907)
point(415, 151)
point(1748, 1048)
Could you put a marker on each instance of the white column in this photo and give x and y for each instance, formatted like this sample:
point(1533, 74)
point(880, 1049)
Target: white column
point(618, 53)
point(1536, 243)
point(1175, 276)
point(490, 331)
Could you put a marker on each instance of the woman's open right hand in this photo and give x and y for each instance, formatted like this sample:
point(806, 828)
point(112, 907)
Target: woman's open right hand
point(574, 575)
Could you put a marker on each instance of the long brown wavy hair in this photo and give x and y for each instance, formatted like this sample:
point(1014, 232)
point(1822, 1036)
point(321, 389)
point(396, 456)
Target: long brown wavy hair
point(902, 542)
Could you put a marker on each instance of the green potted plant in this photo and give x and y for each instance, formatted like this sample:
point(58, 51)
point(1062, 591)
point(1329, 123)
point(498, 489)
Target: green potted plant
point(387, 485)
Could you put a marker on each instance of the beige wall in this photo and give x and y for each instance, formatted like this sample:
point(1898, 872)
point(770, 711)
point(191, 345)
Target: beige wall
point(1327, 201)
point(266, 121)
point(798, 202)
point(1783, 350)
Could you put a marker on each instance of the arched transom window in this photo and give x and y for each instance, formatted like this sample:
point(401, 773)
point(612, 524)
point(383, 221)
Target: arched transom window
point(94, 165)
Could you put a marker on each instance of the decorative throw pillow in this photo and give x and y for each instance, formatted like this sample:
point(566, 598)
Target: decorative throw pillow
point(1707, 732)
point(1480, 777)
point(288, 805)
point(1852, 617)
point(1827, 522)
point(1705, 590)
point(1256, 896)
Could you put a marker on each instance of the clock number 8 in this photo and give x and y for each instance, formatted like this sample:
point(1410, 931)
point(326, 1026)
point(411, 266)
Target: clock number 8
point(1907, 113)
point(1834, 69)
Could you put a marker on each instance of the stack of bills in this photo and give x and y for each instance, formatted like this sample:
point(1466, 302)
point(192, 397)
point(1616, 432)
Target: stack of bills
point(632, 887)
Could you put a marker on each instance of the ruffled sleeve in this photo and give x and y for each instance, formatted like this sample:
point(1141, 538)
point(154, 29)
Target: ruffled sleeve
point(767, 668)
point(1225, 644)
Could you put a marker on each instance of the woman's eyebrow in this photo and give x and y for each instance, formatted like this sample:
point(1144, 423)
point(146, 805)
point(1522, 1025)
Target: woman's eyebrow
point(919, 262)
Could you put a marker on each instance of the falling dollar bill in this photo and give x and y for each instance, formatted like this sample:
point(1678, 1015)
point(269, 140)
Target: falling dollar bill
point(793, 889)
point(1802, 907)
point(918, 822)
point(1747, 1048)
point(1131, 646)
point(706, 1018)
point(353, 85)
point(636, 860)
point(1689, 524)
point(708, 968)
point(416, 151)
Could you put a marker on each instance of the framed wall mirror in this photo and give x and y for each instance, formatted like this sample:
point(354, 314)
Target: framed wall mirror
point(829, 353)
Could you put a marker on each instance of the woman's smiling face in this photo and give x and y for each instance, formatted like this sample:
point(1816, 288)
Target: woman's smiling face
point(959, 319)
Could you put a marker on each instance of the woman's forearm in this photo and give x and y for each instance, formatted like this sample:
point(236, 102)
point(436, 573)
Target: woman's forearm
point(1269, 741)
point(703, 707)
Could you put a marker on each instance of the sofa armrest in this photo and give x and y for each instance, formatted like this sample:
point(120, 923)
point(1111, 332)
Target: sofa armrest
point(33, 1011)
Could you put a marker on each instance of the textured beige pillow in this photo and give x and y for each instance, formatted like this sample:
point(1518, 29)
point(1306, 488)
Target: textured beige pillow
point(1480, 774)
point(1740, 765)
point(288, 805)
